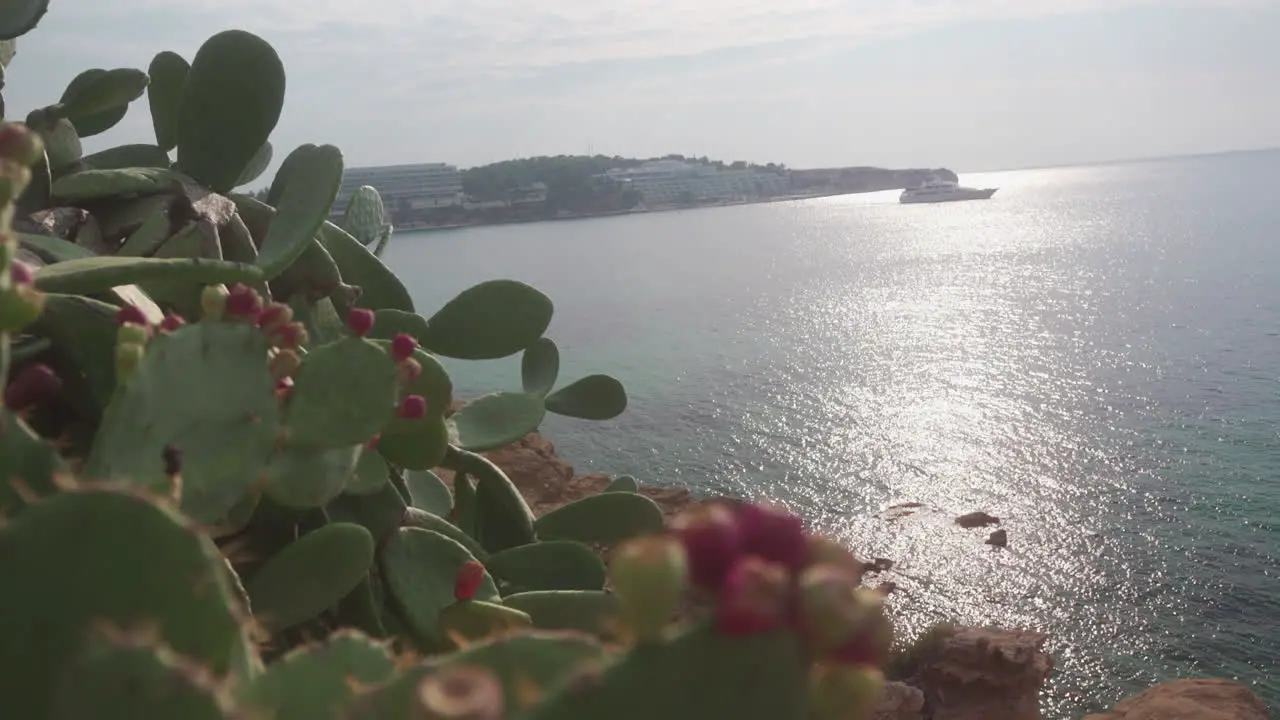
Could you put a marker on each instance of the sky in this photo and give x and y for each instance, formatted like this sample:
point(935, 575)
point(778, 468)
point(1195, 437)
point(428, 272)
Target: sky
point(966, 84)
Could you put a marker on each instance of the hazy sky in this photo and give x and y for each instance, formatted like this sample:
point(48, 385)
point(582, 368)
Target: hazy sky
point(969, 84)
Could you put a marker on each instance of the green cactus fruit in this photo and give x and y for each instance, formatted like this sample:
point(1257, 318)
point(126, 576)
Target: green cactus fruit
point(365, 216)
point(606, 518)
point(381, 512)
point(127, 156)
point(28, 464)
point(96, 100)
point(343, 394)
point(419, 567)
point(132, 675)
point(594, 397)
point(312, 682)
point(62, 144)
point(231, 101)
point(539, 367)
point(525, 665)
point(361, 608)
point(181, 589)
point(650, 577)
point(370, 475)
point(623, 483)
point(700, 674)
point(422, 448)
point(257, 165)
point(310, 574)
point(550, 565)
point(381, 288)
point(304, 476)
point(428, 492)
point(503, 518)
point(168, 73)
point(225, 425)
point(18, 18)
point(589, 611)
point(99, 274)
point(413, 517)
point(844, 693)
point(302, 208)
point(471, 620)
point(497, 419)
point(83, 331)
point(491, 320)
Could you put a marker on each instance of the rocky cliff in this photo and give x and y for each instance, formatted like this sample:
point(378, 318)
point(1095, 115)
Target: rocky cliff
point(970, 674)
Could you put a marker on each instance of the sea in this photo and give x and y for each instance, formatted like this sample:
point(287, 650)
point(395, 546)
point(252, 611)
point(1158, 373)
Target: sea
point(1093, 356)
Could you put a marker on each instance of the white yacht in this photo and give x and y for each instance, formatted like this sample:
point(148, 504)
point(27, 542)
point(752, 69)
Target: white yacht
point(936, 189)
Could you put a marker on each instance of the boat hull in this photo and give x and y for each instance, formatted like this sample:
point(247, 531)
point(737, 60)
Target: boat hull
point(953, 196)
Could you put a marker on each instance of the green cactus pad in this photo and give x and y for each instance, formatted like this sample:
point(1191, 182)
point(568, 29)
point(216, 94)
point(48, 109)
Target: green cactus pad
point(413, 517)
point(19, 16)
point(362, 610)
point(389, 322)
point(52, 249)
point(95, 100)
point(589, 611)
point(594, 397)
point(521, 662)
point(27, 462)
point(623, 483)
point(312, 682)
point(428, 492)
point(119, 675)
point(606, 519)
point(312, 276)
point(381, 288)
point(701, 674)
point(84, 333)
point(549, 565)
point(237, 242)
point(61, 144)
point(122, 182)
point(303, 476)
point(127, 156)
point(503, 518)
point(302, 208)
point(231, 101)
point(433, 384)
point(370, 475)
point(473, 620)
point(539, 367)
point(343, 394)
point(488, 321)
point(421, 448)
point(380, 513)
point(419, 568)
point(309, 575)
point(204, 389)
point(365, 215)
point(464, 504)
point(98, 536)
point(497, 419)
point(285, 171)
point(168, 72)
point(257, 165)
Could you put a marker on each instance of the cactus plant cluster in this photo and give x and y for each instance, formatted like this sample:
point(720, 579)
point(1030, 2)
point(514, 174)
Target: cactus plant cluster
point(219, 427)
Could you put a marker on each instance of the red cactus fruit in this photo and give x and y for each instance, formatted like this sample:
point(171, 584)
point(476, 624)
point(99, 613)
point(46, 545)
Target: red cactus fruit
point(285, 364)
point(284, 387)
point(711, 542)
point(753, 598)
point(21, 273)
point(372, 443)
point(774, 534)
point(360, 320)
point(412, 407)
point(274, 315)
point(468, 580)
point(872, 632)
point(131, 315)
point(408, 370)
point(35, 384)
point(402, 346)
point(289, 336)
point(171, 323)
point(243, 302)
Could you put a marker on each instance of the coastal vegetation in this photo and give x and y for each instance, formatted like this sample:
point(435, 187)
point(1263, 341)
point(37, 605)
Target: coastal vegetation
point(220, 420)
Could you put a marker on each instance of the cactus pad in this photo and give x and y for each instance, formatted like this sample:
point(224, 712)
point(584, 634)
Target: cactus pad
point(381, 288)
point(365, 215)
point(423, 447)
point(491, 320)
point(590, 611)
point(549, 565)
point(471, 620)
point(606, 518)
point(303, 205)
point(380, 512)
point(26, 462)
point(98, 535)
point(344, 393)
point(370, 475)
point(18, 18)
point(419, 568)
point(310, 574)
point(205, 390)
point(95, 100)
point(594, 397)
point(98, 274)
point(539, 367)
point(502, 517)
point(497, 419)
point(413, 517)
point(168, 72)
point(304, 476)
point(623, 483)
point(428, 492)
point(312, 682)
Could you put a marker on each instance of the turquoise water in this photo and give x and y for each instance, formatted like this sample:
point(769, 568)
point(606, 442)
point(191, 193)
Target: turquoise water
point(1093, 355)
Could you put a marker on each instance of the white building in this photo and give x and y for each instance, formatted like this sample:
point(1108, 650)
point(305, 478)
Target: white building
point(667, 181)
point(421, 186)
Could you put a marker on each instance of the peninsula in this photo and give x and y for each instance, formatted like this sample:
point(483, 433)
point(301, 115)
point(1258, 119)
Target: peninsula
point(438, 195)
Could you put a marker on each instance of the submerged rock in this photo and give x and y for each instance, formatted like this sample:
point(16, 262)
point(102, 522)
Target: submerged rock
point(1205, 699)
